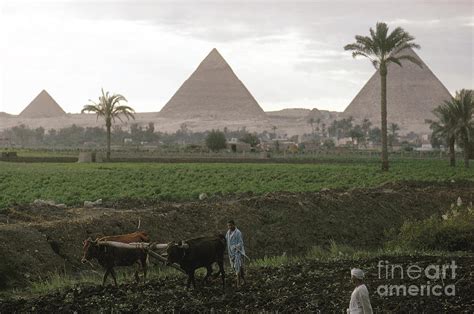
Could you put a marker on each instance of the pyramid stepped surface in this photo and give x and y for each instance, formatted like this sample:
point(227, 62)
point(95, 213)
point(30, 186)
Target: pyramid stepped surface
point(214, 92)
point(43, 106)
point(412, 94)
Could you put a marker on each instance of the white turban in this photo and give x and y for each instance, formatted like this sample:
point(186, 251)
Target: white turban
point(358, 273)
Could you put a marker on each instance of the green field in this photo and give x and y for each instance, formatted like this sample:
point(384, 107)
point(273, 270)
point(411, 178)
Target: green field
point(74, 183)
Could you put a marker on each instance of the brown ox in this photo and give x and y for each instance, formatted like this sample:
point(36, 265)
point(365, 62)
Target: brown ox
point(137, 236)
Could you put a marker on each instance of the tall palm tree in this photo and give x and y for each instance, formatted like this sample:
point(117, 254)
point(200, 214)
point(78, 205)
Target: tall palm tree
point(382, 48)
point(445, 128)
point(109, 108)
point(463, 107)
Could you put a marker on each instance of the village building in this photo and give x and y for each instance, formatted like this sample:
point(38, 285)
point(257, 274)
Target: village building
point(236, 146)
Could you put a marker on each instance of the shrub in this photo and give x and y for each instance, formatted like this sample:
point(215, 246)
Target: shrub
point(329, 143)
point(451, 231)
point(250, 138)
point(215, 140)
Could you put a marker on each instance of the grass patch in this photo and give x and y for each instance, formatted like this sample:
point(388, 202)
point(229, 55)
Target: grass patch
point(339, 252)
point(59, 281)
point(451, 231)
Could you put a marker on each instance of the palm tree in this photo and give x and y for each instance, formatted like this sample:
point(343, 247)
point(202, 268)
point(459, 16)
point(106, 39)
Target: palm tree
point(366, 124)
point(463, 107)
point(445, 128)
point(323, 129)
point(382, 49)
point(318, 122)
point(109, 108)
point(393, 133)
point(274, 128)
point(311, 122)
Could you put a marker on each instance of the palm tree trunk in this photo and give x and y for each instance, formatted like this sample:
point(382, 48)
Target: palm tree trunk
point(466, 151)
point(452, 154)
point(383, 111)
point(108, 125)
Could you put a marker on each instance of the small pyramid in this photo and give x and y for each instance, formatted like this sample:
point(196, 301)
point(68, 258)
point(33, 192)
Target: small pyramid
point(43, 106)
point(5, 115)
point(315, 113)
point(412, 94)
point(214, 92)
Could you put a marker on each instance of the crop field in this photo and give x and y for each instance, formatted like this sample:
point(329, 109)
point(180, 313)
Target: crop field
point(73, 183)
point(301, 245)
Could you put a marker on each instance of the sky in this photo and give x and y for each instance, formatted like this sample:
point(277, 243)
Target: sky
point(289, 54)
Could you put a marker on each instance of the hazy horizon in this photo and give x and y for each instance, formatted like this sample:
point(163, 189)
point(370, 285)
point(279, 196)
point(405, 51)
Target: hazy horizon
point(288, 54)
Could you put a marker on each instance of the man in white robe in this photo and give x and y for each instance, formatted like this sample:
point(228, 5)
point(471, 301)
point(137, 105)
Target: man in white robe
point(236, 250)
point(360, 301)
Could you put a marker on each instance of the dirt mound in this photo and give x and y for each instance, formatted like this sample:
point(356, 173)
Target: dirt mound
point(38, 240)
point(308, 286)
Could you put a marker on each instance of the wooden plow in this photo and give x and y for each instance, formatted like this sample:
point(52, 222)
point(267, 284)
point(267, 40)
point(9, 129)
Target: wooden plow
point(149, 247)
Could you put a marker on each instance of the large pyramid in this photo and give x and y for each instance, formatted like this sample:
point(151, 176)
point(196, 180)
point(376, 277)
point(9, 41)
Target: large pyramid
point(412, 94)
point(43, 106)
point(213, 92)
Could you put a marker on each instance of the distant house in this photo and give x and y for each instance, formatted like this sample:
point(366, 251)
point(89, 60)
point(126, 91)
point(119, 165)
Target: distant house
point(310, 146)
point(90, 144)
point(345, 141)
point(425, 148)
point(236, 146)
point(5, 141)
point(283, 145)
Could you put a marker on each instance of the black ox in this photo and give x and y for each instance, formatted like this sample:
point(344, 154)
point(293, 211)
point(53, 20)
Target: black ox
point(196, 253)
point(109, 256)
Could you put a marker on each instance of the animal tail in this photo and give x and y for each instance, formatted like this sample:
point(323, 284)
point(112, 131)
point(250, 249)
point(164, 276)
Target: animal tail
point(147, 261)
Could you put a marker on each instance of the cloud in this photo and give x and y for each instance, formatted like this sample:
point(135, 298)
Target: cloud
point(284, 52)
point(469, 21)
point(425, 23)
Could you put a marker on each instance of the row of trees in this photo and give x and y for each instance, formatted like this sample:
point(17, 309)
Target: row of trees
point(76, 136)
point(359, 133)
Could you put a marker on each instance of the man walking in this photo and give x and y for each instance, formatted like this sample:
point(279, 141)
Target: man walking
point(360, 302)
point(236, 250)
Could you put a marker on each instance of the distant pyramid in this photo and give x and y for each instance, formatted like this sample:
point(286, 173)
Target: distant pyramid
point(43, 106)
point(412, 94)
point(315, 113)
point(213, 91)
point(5, 115)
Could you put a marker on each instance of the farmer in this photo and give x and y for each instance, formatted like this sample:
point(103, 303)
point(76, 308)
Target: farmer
point(360, 302)
point(236, 250)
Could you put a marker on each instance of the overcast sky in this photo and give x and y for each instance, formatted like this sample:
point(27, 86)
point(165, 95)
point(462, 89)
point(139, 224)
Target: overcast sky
point(289, 54)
